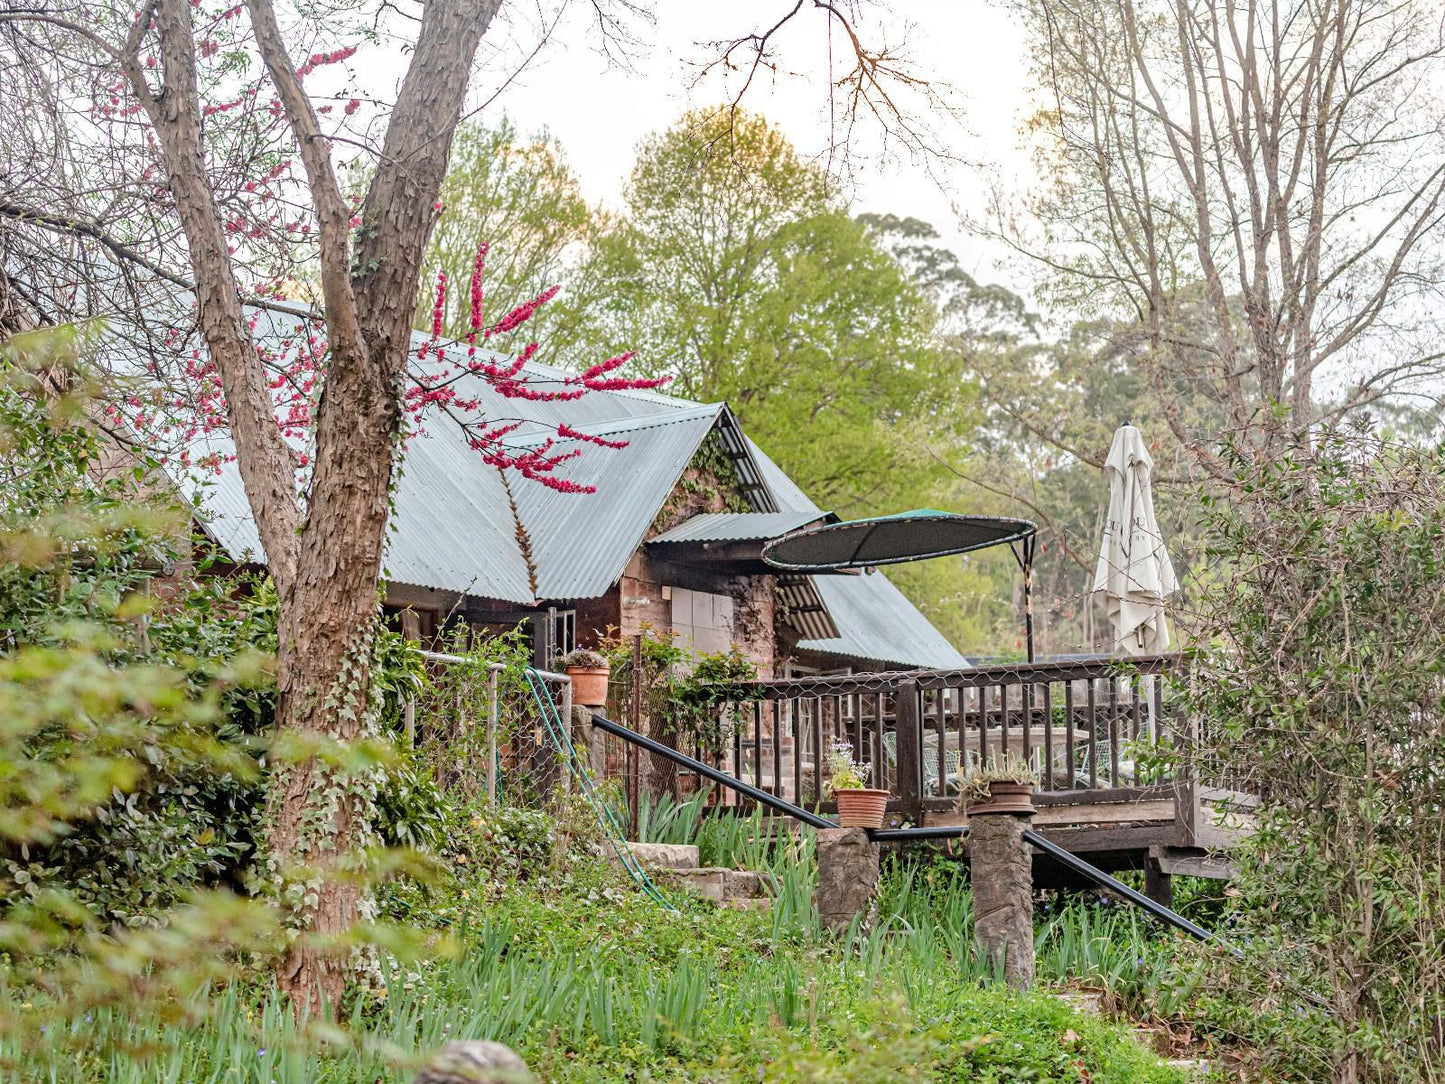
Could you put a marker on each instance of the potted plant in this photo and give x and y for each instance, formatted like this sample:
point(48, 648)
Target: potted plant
point(1005, 786)
point(858, 805)
point(588, 671)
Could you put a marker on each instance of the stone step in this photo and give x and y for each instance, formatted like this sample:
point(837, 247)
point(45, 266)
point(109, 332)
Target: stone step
point(719, 884)
point(665, 855)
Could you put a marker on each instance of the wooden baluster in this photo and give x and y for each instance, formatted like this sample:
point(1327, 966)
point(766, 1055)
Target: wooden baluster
point(1139, 722)
point(1069, 734)
point(1048, 757)
point(758, 744)
point(1115, 730)
point(857, 726)
point(793, 704)
point(737, 749)
point(983, 726)
point(1026, 704)
point(800, 727)
point(962, 730)
point(880, 759)
point(942, 744)
point(1003, 720)
point(818, 748)
point(1093, 688)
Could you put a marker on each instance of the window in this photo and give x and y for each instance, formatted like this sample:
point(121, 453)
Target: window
point(702, 622)
point(564, 632)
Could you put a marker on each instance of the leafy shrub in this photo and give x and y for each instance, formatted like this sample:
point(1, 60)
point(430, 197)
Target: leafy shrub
point(412, 809)
point(1321, 692)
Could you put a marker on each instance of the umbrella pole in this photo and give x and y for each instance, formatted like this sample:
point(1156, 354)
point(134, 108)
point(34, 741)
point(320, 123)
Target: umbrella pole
point(1024, 555)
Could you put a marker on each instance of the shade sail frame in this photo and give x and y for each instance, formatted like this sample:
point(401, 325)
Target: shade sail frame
point(954, 532)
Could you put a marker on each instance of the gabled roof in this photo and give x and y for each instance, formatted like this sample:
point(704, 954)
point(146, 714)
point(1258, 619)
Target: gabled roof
point(453, 529)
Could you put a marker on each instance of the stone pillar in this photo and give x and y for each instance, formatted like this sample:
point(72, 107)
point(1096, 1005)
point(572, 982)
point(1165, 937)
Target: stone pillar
point(589, 741)
point(847, 876)
point(1001, 869)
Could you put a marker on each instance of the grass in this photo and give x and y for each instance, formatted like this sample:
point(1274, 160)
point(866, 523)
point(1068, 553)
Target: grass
point(593, 982)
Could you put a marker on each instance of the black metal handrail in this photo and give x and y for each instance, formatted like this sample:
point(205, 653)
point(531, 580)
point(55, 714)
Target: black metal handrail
point(707, 771)
point(899, 835)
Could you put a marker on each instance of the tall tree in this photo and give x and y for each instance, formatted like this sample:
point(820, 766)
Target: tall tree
point(1260, 186)
point(734, 269)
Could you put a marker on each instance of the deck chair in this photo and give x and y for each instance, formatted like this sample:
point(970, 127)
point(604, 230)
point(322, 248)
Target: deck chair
point(931, 783)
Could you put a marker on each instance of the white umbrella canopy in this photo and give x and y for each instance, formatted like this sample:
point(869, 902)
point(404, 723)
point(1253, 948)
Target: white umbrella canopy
point(1134, 572)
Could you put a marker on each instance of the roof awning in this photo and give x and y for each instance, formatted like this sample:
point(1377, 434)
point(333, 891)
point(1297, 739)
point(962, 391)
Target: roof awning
point(732, 543)
point(890, 540)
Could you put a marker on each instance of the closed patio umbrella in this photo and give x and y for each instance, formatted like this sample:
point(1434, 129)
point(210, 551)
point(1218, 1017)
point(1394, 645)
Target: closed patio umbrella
point(1134, 572)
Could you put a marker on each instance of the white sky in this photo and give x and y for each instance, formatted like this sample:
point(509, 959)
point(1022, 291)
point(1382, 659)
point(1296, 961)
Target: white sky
point(600, 112)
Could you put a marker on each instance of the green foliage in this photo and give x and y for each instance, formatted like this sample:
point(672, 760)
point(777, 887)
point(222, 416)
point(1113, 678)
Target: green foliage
point(124, 777)
point(82, 548)
point(738, 272)
point(413, 809)
point(519, 194)
point(591, 981)
point(1320, 691)
point(1010, 768)
point(686, 695)
point(844, 772)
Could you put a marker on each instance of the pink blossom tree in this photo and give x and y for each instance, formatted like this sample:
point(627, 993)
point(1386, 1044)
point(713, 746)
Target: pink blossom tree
point(197, 144)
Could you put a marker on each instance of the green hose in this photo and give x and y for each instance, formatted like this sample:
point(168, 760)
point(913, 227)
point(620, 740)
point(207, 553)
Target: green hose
point(560, 733)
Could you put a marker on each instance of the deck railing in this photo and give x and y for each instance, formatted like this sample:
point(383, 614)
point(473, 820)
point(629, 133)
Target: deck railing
point(1084, 723)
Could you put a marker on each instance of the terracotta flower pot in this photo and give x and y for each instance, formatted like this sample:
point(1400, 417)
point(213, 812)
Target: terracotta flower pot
point(1003, 798)
point(589, 685)
point(861, 807)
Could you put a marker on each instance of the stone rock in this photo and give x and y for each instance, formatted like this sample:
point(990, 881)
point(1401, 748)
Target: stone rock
point(665, 855)
point(709, 882)
point(1001, 870)
point(720, 885)
point(847, 876)
point(475, 1061)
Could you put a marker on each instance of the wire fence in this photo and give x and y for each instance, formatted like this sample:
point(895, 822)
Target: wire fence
point(479, 727)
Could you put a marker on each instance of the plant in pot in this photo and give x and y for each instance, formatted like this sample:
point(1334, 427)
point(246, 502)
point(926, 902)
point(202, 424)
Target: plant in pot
point(588, 671)
point(859, 806)
point(1000, 786)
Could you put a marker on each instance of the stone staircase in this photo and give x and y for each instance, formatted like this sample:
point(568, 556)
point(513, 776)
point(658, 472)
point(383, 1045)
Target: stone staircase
point(676, 865)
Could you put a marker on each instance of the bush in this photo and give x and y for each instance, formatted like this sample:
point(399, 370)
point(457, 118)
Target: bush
point(1322, 690)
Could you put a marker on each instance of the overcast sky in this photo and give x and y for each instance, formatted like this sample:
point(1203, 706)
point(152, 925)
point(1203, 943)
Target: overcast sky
point(599, 112)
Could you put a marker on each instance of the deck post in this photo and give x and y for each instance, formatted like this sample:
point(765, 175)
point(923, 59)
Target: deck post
point(909, 724)
point(1001, 869)
point(1158, 885)
point(847, 877)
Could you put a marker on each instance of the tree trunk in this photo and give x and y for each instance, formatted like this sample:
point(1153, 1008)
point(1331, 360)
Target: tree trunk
point(325, 561)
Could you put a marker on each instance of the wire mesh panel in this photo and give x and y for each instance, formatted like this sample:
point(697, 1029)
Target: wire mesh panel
point(478, 727)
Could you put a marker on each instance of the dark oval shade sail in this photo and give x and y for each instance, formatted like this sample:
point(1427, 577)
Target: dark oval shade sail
point(891, 540)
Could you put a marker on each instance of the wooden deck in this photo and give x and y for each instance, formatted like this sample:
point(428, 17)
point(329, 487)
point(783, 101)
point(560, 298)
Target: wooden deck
point(1107, 736)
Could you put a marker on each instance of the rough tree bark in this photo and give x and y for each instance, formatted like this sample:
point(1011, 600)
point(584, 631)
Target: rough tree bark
point(324, 558)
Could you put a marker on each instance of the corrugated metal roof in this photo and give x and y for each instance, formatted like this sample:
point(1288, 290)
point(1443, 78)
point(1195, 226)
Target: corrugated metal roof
point(454, 531)
point(736, 526)
point(874, 619)
point(583, 542)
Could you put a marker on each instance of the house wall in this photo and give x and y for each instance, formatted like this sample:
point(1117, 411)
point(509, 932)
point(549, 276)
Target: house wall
point(648, 591)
